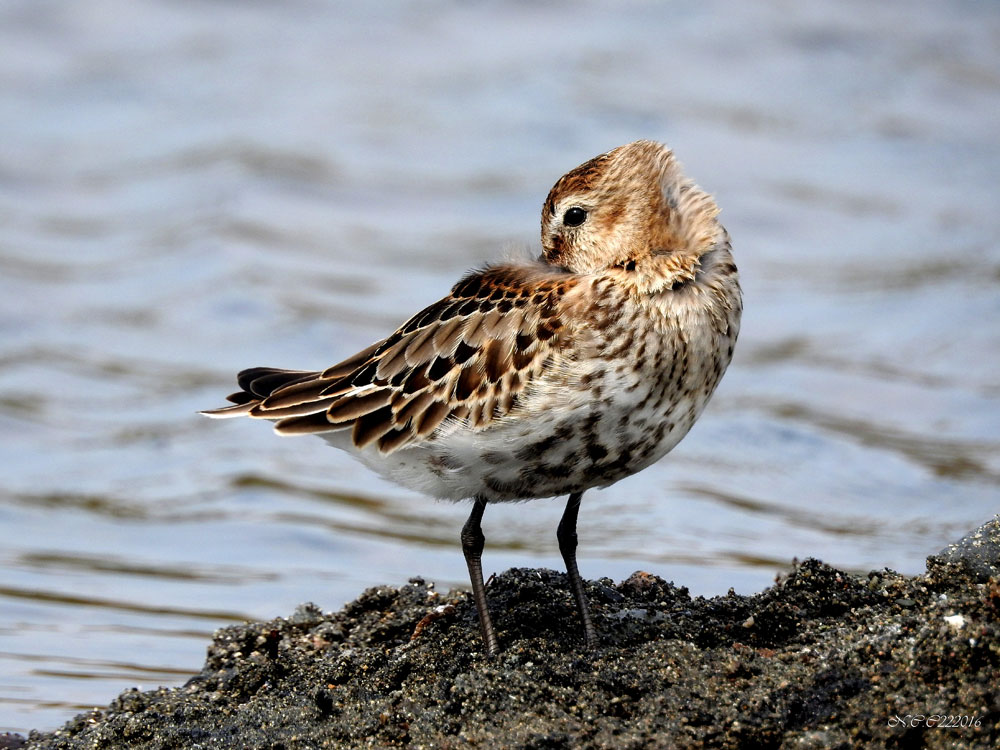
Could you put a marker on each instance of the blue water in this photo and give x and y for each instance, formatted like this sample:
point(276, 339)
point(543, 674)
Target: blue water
point(187, 189)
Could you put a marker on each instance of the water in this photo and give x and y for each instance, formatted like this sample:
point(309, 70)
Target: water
point(187, 189)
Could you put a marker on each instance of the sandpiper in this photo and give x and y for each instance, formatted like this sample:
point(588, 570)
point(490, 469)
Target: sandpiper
point(540, 378)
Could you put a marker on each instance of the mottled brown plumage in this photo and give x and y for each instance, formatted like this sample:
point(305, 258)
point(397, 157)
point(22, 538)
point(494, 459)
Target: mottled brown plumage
point(467, 357)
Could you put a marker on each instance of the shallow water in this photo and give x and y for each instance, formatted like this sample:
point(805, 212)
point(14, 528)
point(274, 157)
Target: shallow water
point(187, 189)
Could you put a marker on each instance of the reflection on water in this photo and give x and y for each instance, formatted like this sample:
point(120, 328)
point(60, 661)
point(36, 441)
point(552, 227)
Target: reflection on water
point(187, 190)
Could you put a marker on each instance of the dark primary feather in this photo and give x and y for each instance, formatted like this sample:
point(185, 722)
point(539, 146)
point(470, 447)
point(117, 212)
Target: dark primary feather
point(263, 381)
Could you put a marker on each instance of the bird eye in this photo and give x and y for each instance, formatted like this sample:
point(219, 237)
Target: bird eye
point(574, 216)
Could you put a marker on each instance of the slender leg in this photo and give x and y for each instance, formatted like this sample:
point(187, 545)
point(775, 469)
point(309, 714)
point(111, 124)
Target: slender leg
point(566, 534)
point(472, 547)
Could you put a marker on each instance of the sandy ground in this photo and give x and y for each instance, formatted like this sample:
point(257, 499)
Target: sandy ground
point(823, 659)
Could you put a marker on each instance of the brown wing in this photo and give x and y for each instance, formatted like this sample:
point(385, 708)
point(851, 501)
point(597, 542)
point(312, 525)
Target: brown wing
point(469, 356)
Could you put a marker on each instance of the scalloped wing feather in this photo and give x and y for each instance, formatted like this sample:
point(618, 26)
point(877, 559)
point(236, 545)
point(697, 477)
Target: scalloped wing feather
point(468, 357)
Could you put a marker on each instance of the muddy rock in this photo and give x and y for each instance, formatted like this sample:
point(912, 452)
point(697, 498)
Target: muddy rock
point(822, 659)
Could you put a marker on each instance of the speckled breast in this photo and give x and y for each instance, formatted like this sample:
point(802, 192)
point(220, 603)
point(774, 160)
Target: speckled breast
point(632, 393)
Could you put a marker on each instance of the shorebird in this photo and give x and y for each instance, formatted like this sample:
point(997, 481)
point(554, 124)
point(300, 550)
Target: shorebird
point(540, 378)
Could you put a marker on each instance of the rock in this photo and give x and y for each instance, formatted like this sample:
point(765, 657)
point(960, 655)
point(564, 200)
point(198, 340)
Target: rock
point(980, 550)
point(821, 659)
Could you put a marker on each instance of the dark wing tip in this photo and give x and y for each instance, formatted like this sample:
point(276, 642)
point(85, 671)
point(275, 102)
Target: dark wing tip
point(261, 382)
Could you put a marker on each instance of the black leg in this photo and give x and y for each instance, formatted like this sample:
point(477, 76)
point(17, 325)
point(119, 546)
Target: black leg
point(566, 534)
point(472, 547)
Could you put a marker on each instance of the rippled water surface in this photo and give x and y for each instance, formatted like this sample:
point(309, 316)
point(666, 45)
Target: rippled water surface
point(187, 189)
